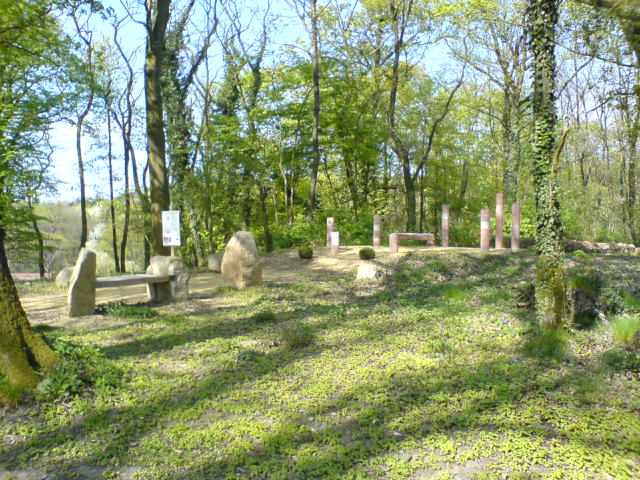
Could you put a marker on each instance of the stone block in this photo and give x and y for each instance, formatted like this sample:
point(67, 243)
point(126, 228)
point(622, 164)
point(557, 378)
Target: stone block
point(241, 265)
point(81, 297)
point(177, 289)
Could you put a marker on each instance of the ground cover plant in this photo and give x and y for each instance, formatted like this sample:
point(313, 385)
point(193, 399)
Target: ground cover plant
point(437, 374)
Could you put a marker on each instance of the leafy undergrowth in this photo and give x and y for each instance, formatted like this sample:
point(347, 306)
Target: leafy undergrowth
point(436, 374)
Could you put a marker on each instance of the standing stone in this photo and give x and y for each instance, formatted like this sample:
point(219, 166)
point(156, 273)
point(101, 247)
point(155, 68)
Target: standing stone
point(515, 227)
point(393, 243)
point(215, 262)
point(500, 220)
point(335, 242)
point(377, 230)
point(241, 265)
point(178, 288)
point(329, 230)
point(485, 230)
point(370, 271)
point(445, 226)
point(81, 298)
point(64, 276)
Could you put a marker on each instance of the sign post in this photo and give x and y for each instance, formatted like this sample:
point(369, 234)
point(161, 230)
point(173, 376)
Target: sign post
point(171, 230)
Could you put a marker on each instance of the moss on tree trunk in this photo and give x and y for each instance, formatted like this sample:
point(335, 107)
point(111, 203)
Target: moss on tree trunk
point(23, 353)
point(551, 303)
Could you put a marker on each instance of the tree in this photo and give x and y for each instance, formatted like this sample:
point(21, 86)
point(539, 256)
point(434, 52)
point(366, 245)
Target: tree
point(30, 40)
point(156, 20)
point(550, 285)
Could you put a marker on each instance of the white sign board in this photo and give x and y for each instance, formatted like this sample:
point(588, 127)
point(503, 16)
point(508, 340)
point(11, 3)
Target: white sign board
point(171, 228)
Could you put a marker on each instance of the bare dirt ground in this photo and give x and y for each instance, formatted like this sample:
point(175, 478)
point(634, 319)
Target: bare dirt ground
point(280, 267)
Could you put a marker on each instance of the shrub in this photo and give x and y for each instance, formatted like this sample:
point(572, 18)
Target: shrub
point(265, 317)
point(305, 252)
point(612, 300)
point(298, 335)
point(626, 329)
point(367, 253)
point(81, 367)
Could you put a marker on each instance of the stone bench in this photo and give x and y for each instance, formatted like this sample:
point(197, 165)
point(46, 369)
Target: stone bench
point(394, 239)
point(167, 279)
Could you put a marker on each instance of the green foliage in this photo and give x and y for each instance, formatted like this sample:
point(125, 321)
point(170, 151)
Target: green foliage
point(626, 330)
point(81, 368)
point(298, 335)
point(613, 300)
point(266, 316)
point(131, 311)
point(367, 253)
point(305, 252)
point(621, 360)
point(549, 344)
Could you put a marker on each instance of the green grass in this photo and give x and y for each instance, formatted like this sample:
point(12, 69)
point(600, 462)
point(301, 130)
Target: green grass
point(437, 374)
point(626, 329)
point(39, 287)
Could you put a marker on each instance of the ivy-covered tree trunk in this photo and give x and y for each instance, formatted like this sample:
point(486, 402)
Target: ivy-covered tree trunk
point(23, 353)
point(550, 272)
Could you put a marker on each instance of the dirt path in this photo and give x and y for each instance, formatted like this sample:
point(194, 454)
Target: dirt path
point(280, 267)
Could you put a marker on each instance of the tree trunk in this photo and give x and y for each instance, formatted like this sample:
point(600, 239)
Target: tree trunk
point(315, 126)
point(551, 309)
point(39, 236)
point(112, 206)
point(156, 24)
point(268, 238)
point(83, 195)
point(24, 353)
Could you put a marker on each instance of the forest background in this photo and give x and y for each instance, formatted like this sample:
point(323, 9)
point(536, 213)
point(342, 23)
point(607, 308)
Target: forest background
point(279, 115)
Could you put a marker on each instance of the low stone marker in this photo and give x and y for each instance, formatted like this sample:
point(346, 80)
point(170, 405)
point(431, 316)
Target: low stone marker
point(64, 276)
point(214, 262)
point(377, 230)
point(241, 265)
point(515, 227)
point(485, 230)
point(500, 220)
point(335, 242)
point(445, 226)
point(81, 297)
point(371, 272)
point(395, 238)
point(329, 230)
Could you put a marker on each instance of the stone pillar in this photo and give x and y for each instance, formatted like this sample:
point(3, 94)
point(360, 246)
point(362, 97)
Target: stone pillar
point(485, 230)
point(393, 243)
point(329, 230)
point(377, 230)
point(500, 220)
point(515, 227)
point(445, 226)
point(335, 242)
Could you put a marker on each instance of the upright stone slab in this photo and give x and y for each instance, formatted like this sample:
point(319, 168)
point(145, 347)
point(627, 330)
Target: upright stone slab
point(335, 242)
point(377, 230)
point(393, 243)
point(515, 227)
point(241, 266)
point(214, 261)
point(445, 226)
point(176, 290)
point(81, 297)
point(64, 276)
point(485, 230)
point(329, 230)
point(500, 220)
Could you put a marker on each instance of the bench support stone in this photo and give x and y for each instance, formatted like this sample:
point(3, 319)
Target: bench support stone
point(175, 290)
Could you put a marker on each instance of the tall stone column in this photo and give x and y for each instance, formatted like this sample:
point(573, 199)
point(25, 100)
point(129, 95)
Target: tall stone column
point(485, 230)
point(377, 230)
point(500, 220)
point(445, 226)
point(329, 230)
point(335, 242)
point(515, 227)
point(393, 243)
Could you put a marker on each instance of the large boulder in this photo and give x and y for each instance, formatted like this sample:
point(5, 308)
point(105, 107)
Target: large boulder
point(178, 288)
point(64, 276)
point(241, 266)
point(81, 298)
point(214, 262)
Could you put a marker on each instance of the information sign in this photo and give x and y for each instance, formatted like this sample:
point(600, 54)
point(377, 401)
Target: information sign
point(171, 228)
